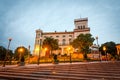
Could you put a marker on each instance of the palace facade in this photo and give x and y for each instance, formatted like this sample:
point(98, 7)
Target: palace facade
point(64, 38)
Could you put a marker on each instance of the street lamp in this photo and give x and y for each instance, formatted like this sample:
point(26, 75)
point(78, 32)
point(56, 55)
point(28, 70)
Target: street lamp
point(28, 54)
point(10, 39)
point(98, 47)
point(104, 49)
point(97, 39)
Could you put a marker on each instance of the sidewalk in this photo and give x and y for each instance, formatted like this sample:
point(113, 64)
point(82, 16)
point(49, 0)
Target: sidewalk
point(51, 64)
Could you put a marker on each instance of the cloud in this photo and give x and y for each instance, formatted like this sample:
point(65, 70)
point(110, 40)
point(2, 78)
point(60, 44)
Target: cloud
point(20, 19)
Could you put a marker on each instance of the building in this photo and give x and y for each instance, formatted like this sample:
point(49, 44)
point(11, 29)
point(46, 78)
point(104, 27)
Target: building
point(95, 54)
point(64, 38)
point(118, 50)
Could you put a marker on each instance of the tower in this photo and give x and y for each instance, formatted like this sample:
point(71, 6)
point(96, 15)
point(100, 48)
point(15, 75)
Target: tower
point(38, 42)
point(81, 26)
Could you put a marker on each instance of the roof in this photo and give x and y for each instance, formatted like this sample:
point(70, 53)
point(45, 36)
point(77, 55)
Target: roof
point(80, 19)
point(45, 33)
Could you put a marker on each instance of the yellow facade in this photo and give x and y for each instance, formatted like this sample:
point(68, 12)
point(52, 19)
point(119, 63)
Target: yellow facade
point(118, 49)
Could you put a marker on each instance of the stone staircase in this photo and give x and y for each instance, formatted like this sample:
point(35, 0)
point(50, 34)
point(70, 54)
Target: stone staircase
point(86, 71)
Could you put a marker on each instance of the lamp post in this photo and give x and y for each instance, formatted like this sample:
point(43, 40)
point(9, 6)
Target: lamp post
point(104, 49)
point(98, 47)
point(28, 54)
point(97, 39)
point(10, 39)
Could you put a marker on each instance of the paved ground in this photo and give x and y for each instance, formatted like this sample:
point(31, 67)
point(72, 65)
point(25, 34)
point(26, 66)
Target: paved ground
point(50, 64)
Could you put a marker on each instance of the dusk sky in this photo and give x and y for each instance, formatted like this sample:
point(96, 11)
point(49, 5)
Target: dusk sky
point(20, 18)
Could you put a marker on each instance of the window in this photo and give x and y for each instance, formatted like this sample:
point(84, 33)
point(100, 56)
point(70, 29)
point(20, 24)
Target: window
point(38, 42)
point(84, 27)
point(38, 35)
point(63, 35)
point(57, 36)
point(70, 35)
point(70, 40)
point(63, 42)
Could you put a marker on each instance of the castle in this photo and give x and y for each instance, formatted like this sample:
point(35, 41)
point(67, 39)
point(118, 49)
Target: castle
point(64, 38)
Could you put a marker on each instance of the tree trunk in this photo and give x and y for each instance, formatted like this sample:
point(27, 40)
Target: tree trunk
point(85, 56)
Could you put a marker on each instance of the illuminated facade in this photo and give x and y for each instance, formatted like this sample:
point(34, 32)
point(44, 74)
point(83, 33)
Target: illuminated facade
point(64, 38)
point(118, 49)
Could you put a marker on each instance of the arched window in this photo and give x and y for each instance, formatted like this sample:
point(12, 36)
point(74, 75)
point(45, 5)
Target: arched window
point(78, 27)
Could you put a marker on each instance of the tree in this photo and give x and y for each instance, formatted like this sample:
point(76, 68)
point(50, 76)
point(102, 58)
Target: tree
point(110, 48)
point(50, 43)
point(82, 43)
point(20, 52)
point(2, 53)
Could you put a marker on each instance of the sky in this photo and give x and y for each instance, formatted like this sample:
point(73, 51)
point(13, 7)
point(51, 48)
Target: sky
point(20, 18)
